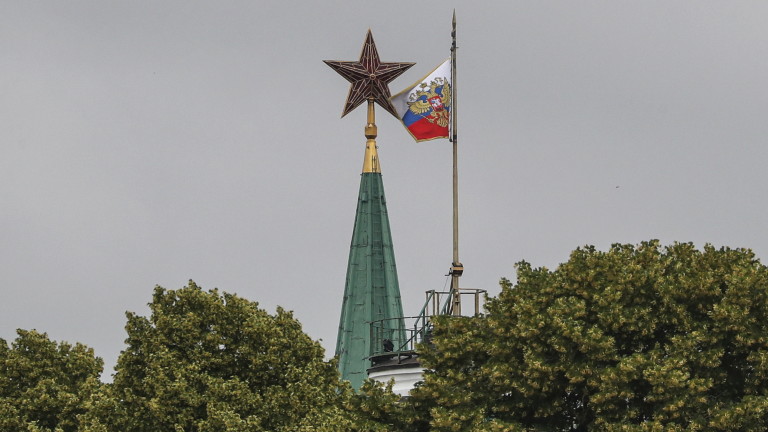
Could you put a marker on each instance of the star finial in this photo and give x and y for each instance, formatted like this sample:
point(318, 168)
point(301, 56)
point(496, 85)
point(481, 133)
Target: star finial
point(368, 77)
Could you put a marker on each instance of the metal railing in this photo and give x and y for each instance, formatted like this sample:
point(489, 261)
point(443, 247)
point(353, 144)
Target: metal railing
point(400, 336)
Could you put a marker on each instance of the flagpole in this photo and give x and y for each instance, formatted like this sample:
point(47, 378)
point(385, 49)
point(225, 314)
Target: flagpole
point(456, 268)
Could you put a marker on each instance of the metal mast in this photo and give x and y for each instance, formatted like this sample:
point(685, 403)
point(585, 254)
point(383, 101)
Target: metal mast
point(456, 267)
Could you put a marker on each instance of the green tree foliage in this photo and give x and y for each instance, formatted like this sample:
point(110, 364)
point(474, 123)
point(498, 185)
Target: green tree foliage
point(210, 361)
point(638, 338)
point(45, 385)
point(375, 408)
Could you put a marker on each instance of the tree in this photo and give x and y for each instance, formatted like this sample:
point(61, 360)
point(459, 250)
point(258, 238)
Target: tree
point(638, 338)
point(375, 408)
point(45, 385)
point(210, 361)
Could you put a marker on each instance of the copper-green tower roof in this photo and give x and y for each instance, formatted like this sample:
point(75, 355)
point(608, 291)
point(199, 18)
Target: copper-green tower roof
point(371, 292)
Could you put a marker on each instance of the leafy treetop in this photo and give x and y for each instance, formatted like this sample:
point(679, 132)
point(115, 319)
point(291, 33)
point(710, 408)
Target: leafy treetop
point(637, 338)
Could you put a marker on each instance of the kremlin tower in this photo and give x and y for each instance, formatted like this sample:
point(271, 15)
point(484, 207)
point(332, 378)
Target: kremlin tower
point(371, 291)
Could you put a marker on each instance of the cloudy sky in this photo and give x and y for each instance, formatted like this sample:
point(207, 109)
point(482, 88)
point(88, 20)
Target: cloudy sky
point(146, 142)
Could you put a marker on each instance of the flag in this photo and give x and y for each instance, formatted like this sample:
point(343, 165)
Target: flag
point(425, 107)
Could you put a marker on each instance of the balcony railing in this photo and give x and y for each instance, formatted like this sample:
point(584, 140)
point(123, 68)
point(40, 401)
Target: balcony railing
point(397, 337)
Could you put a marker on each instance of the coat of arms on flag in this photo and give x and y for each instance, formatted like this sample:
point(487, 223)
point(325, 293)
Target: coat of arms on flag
point(425, 107)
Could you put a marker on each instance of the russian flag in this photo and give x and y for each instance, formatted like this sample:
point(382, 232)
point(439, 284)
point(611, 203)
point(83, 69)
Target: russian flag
point(425, 107)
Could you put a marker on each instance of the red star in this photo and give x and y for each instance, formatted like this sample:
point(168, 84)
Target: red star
point(369, 77)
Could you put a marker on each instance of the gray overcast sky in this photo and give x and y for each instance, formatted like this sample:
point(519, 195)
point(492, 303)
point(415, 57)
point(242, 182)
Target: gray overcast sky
point(151, 142)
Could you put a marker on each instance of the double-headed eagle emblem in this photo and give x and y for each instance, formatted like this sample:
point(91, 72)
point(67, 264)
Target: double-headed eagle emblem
point(433, 98)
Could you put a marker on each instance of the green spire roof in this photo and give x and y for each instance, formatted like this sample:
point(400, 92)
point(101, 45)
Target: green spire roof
point(371, 292)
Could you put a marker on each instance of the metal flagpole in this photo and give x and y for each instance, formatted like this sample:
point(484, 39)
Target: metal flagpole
point(456, 268)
